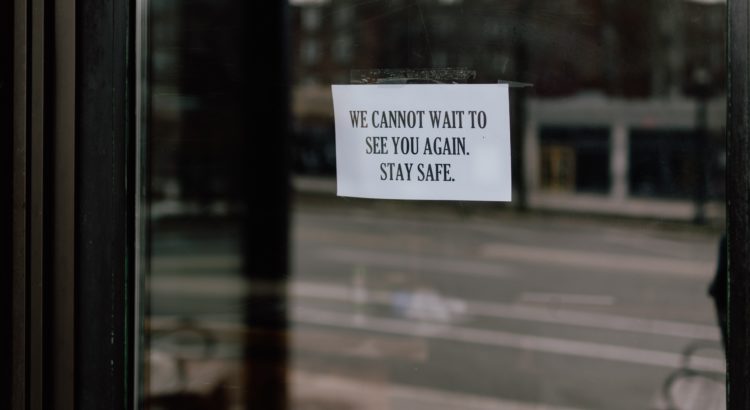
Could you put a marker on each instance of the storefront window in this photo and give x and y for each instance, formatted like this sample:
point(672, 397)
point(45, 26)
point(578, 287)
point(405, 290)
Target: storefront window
point(587, 291)
point(662, 163)
point(576, 159)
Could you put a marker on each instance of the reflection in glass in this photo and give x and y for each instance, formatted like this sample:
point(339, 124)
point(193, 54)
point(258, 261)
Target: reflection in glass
point(587, 292)
point(410, 305)
point(214, 326)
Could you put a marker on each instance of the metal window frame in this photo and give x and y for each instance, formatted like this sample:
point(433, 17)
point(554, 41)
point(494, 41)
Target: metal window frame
point(38, 113)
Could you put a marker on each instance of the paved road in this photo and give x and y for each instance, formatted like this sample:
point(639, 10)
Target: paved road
point(411, 311)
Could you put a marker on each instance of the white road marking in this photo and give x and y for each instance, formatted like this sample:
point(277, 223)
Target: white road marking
point(534, 313)
point(494, 255)
point(496, 338)
point(404, 261)
point(596, 320)
point(413, 398)
point(307, 387)
point(597, 261)
point(567, 298)
point(229, 287)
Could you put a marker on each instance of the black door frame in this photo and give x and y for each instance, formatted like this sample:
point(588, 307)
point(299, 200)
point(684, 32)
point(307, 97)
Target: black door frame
point(104, 204)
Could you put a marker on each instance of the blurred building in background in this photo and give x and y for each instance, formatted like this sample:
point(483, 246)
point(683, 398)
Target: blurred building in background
point(599, 136)
point(643, 138)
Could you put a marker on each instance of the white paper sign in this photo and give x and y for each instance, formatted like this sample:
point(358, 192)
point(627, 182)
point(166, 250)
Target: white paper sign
point(423, 141)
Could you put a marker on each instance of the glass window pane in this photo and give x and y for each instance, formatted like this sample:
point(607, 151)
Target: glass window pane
point(589, 290)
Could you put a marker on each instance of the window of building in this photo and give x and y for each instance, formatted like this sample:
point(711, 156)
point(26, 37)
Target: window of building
point(311, 18)
point(342, 48)
point(662, 163)
point(310, 51)
point(575, 159)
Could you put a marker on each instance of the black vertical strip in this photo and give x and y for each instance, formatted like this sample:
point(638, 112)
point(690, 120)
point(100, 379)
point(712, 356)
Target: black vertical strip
point(27, 193)
point(36, 208)
point(59, 188)
point(28, 186)
point(127, 18)
point(48, 269)
point(6, 200)
point(266, 188)
point(103, 127)
point(738, 188)
point(19, 245)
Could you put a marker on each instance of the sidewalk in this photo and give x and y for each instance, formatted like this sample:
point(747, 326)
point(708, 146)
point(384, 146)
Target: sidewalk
point(320, 191)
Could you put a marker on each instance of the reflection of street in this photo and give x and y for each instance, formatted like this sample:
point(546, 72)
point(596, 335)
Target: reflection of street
point(408, 311)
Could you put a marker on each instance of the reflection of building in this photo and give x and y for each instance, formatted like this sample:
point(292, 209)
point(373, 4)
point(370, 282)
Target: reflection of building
point(640, 58)
point(618, 156)
point(620, 48)
point(196, 82)
point(328, 39)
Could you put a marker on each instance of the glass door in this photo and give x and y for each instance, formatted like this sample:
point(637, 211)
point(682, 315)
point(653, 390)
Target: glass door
point(262, 288)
